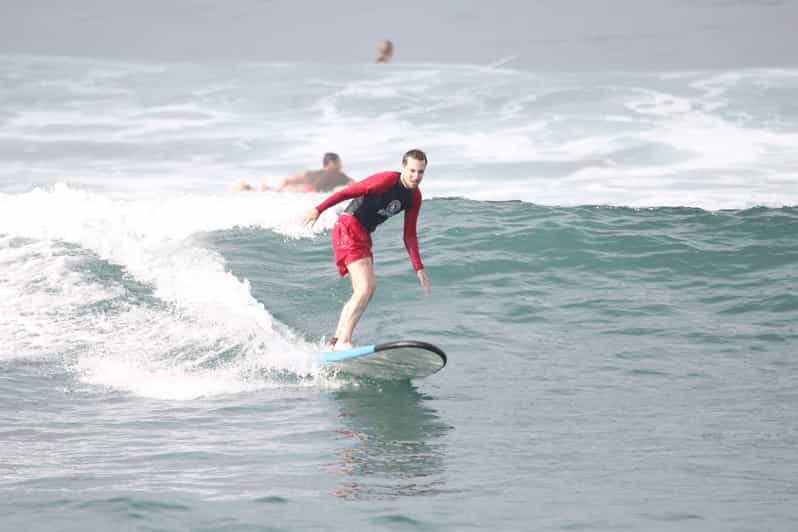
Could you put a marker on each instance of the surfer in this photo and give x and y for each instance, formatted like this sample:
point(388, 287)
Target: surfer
point(327, 179)
point(386, 52)
point(374, 200)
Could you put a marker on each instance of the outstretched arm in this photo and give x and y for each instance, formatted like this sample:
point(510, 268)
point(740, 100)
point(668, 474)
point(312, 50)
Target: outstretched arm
point(298, 178)
point(376, 184)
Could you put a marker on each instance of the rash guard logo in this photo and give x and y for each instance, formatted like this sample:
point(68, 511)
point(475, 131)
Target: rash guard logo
point(393, 207)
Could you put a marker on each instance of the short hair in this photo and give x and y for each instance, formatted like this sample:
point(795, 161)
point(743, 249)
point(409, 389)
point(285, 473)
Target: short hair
point(330, 157)
point(414, 154)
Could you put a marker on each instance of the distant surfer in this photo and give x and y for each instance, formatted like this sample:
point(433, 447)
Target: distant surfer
point(327, 179)
point(386, 52)
point(374, 200)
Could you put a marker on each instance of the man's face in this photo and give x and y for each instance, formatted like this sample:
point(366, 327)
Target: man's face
point(413, 172)
point(335, 166)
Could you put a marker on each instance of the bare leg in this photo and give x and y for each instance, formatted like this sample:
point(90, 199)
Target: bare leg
point(361, 272)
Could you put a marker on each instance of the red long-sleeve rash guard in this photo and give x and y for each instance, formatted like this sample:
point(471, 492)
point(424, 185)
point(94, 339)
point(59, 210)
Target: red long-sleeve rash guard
point(377, 199)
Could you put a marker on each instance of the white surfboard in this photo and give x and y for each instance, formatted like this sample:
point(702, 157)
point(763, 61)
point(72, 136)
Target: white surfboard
point(402, 360)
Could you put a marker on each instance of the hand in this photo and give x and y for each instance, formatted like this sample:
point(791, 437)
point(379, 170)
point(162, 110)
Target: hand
point(422, 277)
point(310, 217)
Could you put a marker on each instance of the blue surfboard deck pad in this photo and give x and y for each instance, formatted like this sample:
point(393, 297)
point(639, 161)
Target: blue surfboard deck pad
point(400, 360)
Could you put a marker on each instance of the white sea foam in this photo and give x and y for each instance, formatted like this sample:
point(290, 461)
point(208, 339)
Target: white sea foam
point(202, 333)
point(700, 139)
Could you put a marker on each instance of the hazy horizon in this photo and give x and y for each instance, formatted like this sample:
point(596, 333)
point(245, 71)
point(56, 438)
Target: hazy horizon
point(568, 35)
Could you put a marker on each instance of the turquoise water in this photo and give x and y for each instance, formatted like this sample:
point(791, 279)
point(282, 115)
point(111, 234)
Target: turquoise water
point(612, 364)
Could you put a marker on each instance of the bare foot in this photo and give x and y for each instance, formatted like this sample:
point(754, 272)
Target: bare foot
point(342, 346)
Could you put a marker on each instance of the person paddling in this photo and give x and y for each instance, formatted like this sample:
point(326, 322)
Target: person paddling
point(329, 178)
point(374, 200)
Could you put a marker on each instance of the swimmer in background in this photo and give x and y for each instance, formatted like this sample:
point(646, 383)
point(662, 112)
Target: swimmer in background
point(386, 52)
point(327, 179)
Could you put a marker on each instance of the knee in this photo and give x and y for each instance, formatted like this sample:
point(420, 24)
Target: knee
point(366, 290)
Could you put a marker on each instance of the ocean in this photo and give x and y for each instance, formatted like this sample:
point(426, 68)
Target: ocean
point(613, 262)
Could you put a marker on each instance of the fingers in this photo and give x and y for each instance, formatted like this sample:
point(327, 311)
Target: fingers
point(422, 277)
point(310, 217)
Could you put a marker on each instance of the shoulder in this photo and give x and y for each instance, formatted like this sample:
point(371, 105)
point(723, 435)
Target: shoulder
point(380, 182)
point(384, 176)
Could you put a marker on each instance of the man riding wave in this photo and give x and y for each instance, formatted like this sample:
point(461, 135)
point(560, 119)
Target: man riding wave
point(374, 200)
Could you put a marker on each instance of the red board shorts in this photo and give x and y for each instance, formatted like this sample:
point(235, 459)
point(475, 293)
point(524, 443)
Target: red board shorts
point(351, 242)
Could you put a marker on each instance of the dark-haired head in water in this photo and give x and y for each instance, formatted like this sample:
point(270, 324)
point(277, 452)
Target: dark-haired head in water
point(386, 52)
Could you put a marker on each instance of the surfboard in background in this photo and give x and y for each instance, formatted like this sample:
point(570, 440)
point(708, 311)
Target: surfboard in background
point(400, 360)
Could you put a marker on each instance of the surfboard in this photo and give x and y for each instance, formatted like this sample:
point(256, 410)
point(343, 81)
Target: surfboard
point(401, 360)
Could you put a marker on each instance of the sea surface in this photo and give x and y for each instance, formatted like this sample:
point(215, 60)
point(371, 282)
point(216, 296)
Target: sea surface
point(614, 272)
